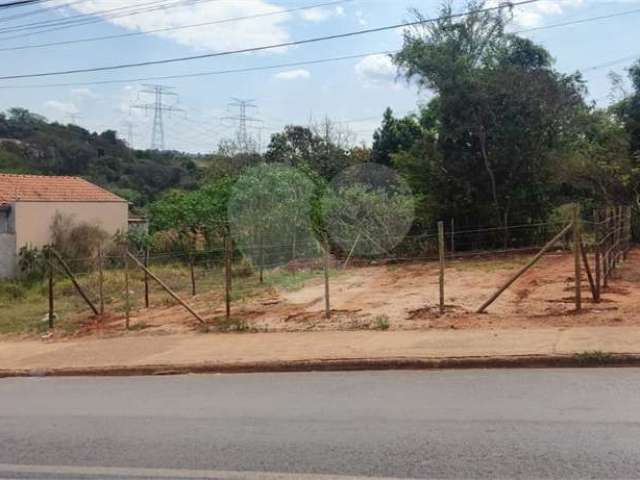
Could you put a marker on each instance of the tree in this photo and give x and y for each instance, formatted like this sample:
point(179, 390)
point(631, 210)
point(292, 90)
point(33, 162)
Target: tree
point(394, 135)
point(502, 115)
point(322, 148)
point(628, 111)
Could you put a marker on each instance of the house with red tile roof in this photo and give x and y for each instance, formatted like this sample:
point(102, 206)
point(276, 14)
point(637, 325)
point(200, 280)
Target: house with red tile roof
point(29, 203)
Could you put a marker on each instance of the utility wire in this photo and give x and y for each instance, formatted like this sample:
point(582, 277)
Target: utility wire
point(263, 47)
point(180, 27)
point(20, 3)
point(95, 17)
point(203, 74)
point(40, 11)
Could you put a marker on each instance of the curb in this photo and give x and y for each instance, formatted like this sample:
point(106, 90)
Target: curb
point(341, 365)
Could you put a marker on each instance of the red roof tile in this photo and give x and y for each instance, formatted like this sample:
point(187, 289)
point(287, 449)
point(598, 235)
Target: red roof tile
point(40, 188)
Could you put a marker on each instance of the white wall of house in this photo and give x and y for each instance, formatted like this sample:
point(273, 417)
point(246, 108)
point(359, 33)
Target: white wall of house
point(8, 258)
point(33, 219)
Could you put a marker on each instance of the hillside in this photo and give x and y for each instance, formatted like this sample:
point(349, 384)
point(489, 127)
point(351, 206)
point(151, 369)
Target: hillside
point(31, 144)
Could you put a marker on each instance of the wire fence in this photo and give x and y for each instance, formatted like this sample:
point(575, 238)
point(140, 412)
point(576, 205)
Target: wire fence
point(117, 284)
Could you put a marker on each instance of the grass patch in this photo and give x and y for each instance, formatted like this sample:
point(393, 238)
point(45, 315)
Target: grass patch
point(381, 322)
point(233, 324)
point(594, 357)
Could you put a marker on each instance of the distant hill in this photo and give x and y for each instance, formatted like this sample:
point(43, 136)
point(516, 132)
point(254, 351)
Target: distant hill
point(31, 144)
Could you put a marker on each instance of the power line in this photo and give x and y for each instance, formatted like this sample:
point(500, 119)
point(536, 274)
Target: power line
point(20, 3)
point(40, 11)
point(95, 17)
point(203, 74)
point(167, 29)
point(265, 47)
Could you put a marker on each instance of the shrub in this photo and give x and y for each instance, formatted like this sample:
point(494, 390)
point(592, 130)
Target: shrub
point(77, 241)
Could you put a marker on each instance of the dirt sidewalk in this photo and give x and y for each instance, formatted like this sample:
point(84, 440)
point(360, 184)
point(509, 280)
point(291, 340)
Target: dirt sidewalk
point(242, 352)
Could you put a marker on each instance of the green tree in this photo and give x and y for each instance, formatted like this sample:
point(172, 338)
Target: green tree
point(502, 115)
point(394, 135)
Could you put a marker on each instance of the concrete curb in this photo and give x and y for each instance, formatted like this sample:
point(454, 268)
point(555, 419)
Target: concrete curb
point(347, 364)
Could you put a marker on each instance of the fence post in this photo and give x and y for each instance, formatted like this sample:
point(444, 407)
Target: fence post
point(51, 305)
point(605, 249)
point(453, 234)
point(441, 255)
point(127, 304)
point(227, 275)
point(576, 256)
point(146, 278)
point(597, 236)
point(100, 281)
point(327, 301)
point(192, 273)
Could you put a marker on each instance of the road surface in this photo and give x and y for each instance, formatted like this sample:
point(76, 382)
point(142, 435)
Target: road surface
point(308, 426)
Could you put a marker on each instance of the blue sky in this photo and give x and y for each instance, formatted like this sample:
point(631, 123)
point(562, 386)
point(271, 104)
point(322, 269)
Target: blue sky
point(353, 92)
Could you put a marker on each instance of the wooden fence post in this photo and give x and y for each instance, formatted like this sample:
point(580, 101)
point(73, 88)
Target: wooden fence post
point(146, 278)
point(227, 275)
point(605, 248)
point(576, 256)
point(192, 273)
point(520, 272)
point(51, 305)
point(166, 288)
point(453, 234)
point(127, 304)
point(597, 240)
point(75, 283)
point(101, 280)
point(441, 256)
point(327, 301)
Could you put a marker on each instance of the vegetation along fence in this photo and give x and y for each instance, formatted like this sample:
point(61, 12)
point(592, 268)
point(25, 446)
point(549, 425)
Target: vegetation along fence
point(119, 282)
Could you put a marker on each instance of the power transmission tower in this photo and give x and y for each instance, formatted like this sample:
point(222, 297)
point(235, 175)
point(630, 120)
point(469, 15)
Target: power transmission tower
point(129, 126)
point(159, 107)
point(245, 143)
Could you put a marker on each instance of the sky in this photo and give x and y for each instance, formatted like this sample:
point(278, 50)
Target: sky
point(352, 92)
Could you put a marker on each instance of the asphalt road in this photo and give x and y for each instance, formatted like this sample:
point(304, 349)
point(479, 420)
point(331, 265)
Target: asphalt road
point(446, 424)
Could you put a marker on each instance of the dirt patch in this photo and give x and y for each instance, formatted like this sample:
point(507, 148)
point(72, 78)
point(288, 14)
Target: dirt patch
point(405, 297)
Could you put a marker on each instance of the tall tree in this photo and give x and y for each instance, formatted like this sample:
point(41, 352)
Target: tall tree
point(503, 114)
point(394, 135)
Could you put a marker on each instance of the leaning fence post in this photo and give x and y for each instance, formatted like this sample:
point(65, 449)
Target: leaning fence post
point(327, 302)
point(576, 256)
point(441, 256)
point(51, 305)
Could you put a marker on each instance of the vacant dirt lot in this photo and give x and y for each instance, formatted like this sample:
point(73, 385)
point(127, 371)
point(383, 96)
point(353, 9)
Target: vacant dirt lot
point(405, 296)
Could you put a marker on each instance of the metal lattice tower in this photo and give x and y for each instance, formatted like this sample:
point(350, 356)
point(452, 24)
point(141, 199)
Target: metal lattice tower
point(129, 126)
point(159, 107)
point(244, 140)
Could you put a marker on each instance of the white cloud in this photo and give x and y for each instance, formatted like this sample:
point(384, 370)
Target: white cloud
point(360, 17)
point(321, 14)
point(85, 93)
point(216, 37)
point(376, 70)
point(293, 74)
point(533, 15)
point(58, 107)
